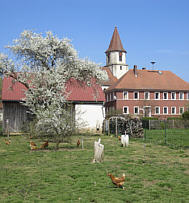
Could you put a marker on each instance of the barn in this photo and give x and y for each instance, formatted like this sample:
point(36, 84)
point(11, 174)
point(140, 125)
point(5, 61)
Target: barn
point(87, 104)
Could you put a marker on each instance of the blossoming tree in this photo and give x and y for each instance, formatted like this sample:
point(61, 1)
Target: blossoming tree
point(43, 64)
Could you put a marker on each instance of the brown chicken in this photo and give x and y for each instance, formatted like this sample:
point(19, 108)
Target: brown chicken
point(7, 142)
point(33, 146)
point(78, 143)
point(44, 145)
point(117, 181)
point(119, 137)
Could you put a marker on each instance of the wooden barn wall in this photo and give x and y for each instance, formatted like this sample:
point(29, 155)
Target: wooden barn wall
point(16, 113)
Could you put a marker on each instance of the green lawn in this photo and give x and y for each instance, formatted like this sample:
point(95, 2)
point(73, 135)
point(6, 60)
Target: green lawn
point(154, 173)
point(176, 138)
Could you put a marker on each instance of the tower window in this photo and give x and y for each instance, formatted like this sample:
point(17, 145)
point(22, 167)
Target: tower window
point(108, 56)
point(120, 56)
point(120, 67)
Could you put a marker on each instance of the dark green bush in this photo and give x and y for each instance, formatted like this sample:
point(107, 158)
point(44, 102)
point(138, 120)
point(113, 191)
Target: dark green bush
point(149, 118)
point(185, 115)
point(174, 118)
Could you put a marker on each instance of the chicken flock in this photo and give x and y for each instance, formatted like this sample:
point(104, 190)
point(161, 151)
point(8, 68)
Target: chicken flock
point(118, 181)
point(33, 146)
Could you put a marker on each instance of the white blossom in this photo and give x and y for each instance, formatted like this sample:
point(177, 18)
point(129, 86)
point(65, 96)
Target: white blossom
point(45, 64)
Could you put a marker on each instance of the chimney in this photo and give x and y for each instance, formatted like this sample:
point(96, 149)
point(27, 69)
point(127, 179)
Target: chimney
point(135, 70)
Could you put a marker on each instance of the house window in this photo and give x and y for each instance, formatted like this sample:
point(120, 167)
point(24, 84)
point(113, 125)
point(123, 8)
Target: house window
point(120, 67)
point(181, 95)
point(165, 95)
point(173, 95)
point(173, 110)
point(120, 56)
point(108, 56)
point(125, 95)
point(126, 110)
point(187, 95)
point(157, 95)
point(181, 110)
point(136, 95)
point(136, 110)
point(157, 110)
point(146, 95)
point(165, 110)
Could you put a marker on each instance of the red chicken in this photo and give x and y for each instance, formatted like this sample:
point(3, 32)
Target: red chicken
point(33, 146)
point(44, 145)
point(117, 181)
point(7, 142)
point(78, 143)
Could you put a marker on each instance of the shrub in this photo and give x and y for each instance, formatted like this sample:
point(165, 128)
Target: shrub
point(174, 118)
point(185, 115)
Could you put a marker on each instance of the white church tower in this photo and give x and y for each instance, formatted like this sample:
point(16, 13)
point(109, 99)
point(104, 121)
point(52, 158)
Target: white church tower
point(116, 56)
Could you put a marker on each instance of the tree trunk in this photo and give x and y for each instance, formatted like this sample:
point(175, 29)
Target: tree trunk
point(98, 152)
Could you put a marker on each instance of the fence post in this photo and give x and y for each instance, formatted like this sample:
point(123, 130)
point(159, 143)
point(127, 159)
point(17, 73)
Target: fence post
point(149, 124)
point(145, 127)
point(165, 132)
point(7, 128)
point(108, 126)
point(116, 127)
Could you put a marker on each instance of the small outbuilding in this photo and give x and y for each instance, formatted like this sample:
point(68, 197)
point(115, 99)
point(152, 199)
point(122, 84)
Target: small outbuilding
point(87, 104)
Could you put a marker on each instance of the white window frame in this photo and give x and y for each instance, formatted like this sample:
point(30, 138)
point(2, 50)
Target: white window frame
point(180, 95)
point(166, 94)
point(148, 95)
point(137, 95)
point(173, 107)
point(134, 110)
point(127, 109)
point(180, 110)
point(124, 95)
point(158, 110)
point(187, 95)
point(174, 94)
point(167, 110)
point(155, 95)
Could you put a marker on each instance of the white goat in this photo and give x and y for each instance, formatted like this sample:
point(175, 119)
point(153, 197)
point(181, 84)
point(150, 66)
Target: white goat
point(125, 140)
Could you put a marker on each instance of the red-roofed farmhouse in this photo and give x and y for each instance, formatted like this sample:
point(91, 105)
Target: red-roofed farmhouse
point(138, 92)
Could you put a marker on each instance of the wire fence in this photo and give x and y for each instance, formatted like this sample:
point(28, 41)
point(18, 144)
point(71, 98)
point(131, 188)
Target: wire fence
point(174, 133)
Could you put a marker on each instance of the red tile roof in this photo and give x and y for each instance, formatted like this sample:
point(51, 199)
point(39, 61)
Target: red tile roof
point(12, 91)
point(115, 44)
point(150, 80)
point(83, 93)
point(111, 79)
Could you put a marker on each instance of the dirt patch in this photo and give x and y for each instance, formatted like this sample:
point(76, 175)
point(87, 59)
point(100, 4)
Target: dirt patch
point(148, 183)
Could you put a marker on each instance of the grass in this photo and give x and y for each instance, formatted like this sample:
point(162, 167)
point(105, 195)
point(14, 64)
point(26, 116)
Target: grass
point(175, 138)
point(154, 173)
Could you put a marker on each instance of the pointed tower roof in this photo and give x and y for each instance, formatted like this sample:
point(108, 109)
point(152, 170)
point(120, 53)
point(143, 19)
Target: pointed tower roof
point(115, 44)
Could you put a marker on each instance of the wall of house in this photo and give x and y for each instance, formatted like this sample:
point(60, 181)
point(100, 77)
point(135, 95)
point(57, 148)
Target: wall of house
point(152, 103)
point(15, 114)
point(90, 116)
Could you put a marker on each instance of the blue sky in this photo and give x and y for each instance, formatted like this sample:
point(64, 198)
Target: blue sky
point(150, 30)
